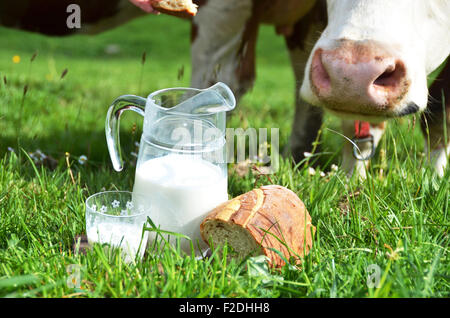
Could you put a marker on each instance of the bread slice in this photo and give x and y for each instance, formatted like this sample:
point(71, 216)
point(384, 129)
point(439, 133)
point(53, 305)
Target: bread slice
point(179, 8)
point(265, 221)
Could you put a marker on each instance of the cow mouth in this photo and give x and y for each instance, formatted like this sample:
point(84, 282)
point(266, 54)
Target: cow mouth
point(410, 108)
point(343, 114)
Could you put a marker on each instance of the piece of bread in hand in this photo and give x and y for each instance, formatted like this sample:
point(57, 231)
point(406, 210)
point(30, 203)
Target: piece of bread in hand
point(179, 8)
point(259, 222)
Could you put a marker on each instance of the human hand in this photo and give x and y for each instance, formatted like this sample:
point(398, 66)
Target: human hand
point(144, 5)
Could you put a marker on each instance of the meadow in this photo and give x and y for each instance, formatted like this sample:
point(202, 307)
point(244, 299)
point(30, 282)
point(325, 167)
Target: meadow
point(54, 93)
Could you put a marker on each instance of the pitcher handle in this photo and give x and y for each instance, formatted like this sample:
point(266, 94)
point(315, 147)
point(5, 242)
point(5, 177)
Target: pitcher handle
point(118, 106)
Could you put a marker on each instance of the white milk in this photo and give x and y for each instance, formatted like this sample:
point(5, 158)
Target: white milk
point(181, 190)
point(125, 236)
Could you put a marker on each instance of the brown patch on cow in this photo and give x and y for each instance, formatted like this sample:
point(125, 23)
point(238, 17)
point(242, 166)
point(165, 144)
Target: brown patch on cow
point(245, 70)
point(316, 15)
point(285, 30)
point(199, 3)
point(432, 120)
point(291, 26)
point(284, 12)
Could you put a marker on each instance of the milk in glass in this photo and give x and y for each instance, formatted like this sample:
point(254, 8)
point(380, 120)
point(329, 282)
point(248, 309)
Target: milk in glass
point(125, 236)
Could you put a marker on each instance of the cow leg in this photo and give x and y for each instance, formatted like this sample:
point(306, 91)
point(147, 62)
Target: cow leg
point(223, 43)
point(349, 163)
point(435, 123)
point(307, 118)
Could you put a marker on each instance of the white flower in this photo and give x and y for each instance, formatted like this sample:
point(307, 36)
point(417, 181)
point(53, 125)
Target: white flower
point(136, 144)
point(322, 174)
point(307, 154)
point(32, 156)
point(311, 171)
point(115, 204)
point(123, 212)
point(94, 207)
point(130, 205)
point(334, 167)
point(40, 154)
point(82, 159)
point(103, 209)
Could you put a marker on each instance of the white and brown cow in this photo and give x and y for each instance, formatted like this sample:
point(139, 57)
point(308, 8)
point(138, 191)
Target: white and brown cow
point(363, 60)
point(371, 62)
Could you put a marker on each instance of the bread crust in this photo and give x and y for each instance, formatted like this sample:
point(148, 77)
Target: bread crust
point(183, 12)
point(270, 214)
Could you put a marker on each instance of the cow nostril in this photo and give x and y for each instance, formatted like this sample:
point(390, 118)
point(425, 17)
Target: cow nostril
point(383, 79)
point(319, 75)
point(392, 76)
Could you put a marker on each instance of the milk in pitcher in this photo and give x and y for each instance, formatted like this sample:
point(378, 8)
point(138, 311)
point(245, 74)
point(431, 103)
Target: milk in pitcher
point(181, 190)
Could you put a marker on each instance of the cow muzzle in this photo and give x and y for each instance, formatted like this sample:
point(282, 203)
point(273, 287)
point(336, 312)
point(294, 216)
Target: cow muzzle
point(359, 77)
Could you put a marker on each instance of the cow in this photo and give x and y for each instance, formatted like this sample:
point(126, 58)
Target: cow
point(363, 60)
point(371, 63)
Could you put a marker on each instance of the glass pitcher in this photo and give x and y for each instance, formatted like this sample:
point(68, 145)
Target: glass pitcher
point(181, 167)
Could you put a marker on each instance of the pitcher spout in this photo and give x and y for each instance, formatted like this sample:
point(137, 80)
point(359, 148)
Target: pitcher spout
point(229, 101)
point(215, 99)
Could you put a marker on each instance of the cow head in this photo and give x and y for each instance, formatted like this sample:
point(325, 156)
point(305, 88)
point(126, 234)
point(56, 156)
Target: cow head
point(373, 58)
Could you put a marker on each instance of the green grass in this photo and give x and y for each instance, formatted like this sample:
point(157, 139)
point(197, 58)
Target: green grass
point(402, 206)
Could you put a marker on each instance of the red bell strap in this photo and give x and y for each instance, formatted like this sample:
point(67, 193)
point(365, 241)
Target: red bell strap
point(362, 129)
point(362, 135)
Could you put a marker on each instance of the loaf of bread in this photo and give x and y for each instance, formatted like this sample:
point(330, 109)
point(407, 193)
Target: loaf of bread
point(179, 8)
point(261, 222)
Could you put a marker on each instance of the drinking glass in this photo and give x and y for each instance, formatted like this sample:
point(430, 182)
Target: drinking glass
point(117, 218)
